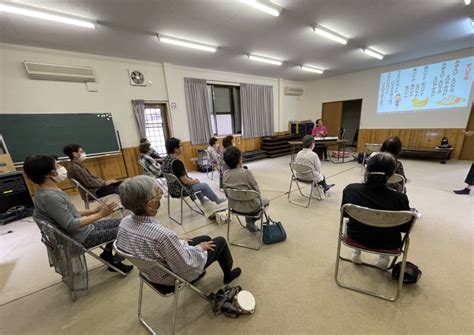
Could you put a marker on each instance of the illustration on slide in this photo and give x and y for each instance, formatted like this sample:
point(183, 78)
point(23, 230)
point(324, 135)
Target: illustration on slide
point(419, 103)
point(450, 100)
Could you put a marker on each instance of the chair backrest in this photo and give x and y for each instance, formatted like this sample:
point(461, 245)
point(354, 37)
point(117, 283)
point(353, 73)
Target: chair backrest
point(242, 195)
point(396, 179)
point(376, 217)
point(171, 178)
point(144, 264)
point(85, 193)
point(301, 168)
point(372, 147)
point(145, 169)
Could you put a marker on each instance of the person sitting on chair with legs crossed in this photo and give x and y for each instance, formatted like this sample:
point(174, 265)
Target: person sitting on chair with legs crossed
point(309, 158)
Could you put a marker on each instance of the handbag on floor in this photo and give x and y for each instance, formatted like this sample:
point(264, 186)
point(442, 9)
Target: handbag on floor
point(273, 232)
point(412, 273)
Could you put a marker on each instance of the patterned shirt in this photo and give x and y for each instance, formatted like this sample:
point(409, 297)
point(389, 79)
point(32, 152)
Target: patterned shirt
point(82, 174)
point(146, 238)
point(311, 159)
point(151, 166)
point(172, 165)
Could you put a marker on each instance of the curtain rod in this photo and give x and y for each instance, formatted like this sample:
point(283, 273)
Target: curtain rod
point(227, 83)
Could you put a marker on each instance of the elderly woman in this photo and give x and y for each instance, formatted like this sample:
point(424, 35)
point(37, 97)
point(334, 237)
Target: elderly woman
point(376, 195)
point(53, 206)
point(142, 235)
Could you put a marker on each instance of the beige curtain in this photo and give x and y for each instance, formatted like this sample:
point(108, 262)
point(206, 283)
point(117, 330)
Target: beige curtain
point(256, 105)
point(138, 107)
point(197, 104)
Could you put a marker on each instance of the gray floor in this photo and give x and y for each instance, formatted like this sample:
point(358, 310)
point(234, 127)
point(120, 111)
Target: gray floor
point(292, 282)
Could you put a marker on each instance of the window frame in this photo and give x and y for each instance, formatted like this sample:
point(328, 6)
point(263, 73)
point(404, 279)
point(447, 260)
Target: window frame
point(163, 107)
point(213, 114)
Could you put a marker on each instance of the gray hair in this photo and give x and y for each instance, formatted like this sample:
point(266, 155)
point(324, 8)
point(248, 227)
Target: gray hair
point(307, 141)
point(135, 192)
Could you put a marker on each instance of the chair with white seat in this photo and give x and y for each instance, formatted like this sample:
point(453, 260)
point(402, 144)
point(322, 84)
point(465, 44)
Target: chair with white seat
point(67, 257)
point(369, 148)
point(259, 213)
point(162, 290)
point(184, 193)
point(397, 182)
point(380, 219)
point(302, 169)
point(214, 165)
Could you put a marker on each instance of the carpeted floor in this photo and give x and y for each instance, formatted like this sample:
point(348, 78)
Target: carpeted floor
point(293, 282)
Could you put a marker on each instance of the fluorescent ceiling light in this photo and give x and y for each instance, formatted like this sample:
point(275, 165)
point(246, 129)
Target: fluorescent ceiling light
point(472, 22)
point(467, 2)
point(372, 53)
point(265, 60)
point(46, 16)
point(332, 35)
point(265, 6)
point(186, 43)
point(310, 68)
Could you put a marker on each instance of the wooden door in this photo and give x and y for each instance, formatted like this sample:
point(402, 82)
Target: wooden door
point(332, 117)
point(467, 151)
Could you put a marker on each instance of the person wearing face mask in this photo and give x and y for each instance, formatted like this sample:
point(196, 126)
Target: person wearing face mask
point(374, 193)
point(78, 171)
point(53, 206)
point(143, 236)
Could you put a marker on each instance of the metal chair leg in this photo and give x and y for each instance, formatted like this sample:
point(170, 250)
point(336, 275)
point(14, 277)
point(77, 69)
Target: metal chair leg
point(175, 307)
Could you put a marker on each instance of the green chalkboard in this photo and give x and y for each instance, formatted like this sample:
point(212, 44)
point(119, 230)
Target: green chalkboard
point(26, 134)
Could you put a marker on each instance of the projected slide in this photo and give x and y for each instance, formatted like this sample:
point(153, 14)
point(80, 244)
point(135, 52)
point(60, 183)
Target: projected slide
point(434, 86)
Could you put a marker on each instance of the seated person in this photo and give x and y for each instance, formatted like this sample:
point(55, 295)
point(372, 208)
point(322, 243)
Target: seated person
point(214, 150)
point(226, 143)
point(142, 235)
point(393, 146)
point(78, 171)
point(153, 153)
point(150, 166)
point(240, 178)
point(320, 130)
point(53, 206)
point(171, 164)
point(308, 157)
point(374, 194)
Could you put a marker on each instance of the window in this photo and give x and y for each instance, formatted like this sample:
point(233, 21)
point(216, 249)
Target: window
point(225, 109)
point(156, 126)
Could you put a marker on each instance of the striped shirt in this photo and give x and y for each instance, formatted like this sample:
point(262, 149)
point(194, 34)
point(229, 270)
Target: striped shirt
point(145, 238)
point(151, 167)
point(82, 174)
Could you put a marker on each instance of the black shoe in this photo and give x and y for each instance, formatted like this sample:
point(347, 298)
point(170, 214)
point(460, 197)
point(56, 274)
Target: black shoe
point(233, 274)
point(464, 191)
point(122, 267)
point(328, 187)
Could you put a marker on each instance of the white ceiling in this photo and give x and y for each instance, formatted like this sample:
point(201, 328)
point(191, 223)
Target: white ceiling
point(401, 29)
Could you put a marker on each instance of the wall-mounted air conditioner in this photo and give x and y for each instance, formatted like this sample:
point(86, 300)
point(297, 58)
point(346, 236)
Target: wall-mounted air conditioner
point(293, 91)
point(59, 72)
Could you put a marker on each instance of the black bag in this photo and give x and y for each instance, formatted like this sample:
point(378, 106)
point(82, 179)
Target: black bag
point(412, 273)
point(273, 232)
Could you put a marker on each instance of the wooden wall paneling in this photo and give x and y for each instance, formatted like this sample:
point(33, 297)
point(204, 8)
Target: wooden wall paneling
point(467, 142)
point(413, 137)
point(131, 156)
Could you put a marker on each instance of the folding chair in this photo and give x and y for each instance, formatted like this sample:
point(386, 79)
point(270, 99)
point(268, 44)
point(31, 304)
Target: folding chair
point(212, 163)
point(302, 169)
point(67, 257)
point(170, 179)
point(87, 196)
point(162, 290)
point(397, 182)
point(159, 180)
point(369, 148)
point(259, 213)
point(374, 218)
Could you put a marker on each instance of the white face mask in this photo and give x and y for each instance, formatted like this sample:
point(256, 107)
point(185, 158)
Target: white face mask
point(62, 175)
point(83, 157)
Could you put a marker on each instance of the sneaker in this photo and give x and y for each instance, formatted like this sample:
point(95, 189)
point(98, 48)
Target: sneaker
point(382, 263)
point(328, 187)
point(464, 191)
point(252, 227)
point(356, 257)
point(233, 274)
